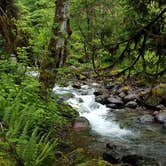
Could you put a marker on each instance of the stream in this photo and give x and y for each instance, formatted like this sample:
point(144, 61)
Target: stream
point(119, 126)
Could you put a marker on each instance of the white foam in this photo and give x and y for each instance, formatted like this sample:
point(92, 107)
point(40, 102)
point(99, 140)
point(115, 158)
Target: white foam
point(96, 113)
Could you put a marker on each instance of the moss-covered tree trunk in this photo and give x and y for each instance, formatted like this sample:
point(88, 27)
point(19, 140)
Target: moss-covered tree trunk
point(57, 45)
point(8, 30)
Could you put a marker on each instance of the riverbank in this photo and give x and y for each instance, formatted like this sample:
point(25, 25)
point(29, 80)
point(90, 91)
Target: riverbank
point(147, 134)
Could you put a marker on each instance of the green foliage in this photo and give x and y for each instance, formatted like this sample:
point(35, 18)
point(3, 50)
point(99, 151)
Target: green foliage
point(28, 124)
point(36, 19)
point(35, 151)
point(106, 34)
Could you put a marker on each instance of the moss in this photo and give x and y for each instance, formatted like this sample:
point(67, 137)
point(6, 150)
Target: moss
point(159, 90)
point(67, 111)
point(77, 155)
point(120, 79)
point(95, 163)
point(82, 77)
point(152, 100)
point(125, 88)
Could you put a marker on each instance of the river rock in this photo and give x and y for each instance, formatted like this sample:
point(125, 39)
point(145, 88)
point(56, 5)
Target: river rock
point(112, 156)
point(146, 119)
point(110, 85)
point(160, 91)
point(122, 94)
point(76, 86)
point(151, 101)
point(161, 117)
point(121, 153)
point(81, 124)
point(117, 146)
point(115, 100)
point(65, 97)
point(130, 97)
point(99, 92)
point(131, 104)
point(138, 160)
point(102, 99)
point(112, 106)
point(160, 107)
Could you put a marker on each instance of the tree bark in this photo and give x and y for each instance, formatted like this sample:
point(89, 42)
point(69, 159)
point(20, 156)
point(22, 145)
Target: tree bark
point(57, 51)
point(8, 29)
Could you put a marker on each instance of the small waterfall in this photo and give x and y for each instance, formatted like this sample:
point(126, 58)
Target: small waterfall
point(84, 101)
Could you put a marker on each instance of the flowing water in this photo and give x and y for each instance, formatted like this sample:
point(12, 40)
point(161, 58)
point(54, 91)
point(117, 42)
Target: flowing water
point(148, 140)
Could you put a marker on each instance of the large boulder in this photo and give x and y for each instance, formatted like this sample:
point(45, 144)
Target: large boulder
point(156, 96)
point(160, 91)
point(81, 124)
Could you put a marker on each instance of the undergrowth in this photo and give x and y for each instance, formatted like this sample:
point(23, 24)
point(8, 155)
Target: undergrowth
point(29, 125)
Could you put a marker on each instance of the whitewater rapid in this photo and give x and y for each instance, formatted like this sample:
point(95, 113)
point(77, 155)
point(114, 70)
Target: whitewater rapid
point(83, 100)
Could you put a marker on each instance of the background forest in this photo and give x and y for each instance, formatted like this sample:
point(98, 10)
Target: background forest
point(102, 39)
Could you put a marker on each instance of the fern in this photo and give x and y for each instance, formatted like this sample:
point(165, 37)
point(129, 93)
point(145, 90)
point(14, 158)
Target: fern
point(37, 149)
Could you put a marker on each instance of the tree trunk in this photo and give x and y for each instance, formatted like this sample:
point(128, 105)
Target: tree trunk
point(8, 30)
point(57, 51)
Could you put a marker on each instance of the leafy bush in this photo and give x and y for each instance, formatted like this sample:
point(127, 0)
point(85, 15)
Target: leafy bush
point(28, 123)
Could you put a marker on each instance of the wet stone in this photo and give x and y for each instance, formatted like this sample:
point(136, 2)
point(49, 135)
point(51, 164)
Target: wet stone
point(112, 156)
point(161, 117)
point(130, 97)
point(112, 106)
point(81, 124)
point(99, 92)
point(77, 86)
point(146, 119)
point(102, 99)
point(131, 104)
point(115, 100)
point(160, 107)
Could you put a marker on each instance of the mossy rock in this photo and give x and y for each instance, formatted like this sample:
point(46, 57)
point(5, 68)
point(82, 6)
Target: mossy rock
point(67, 111)
point(96, 162)
point(77, 155)
point(125, 88)
point(82, 77)
point(72, 158)
point(152, 100)
point(160, 91)
point(120, 78)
